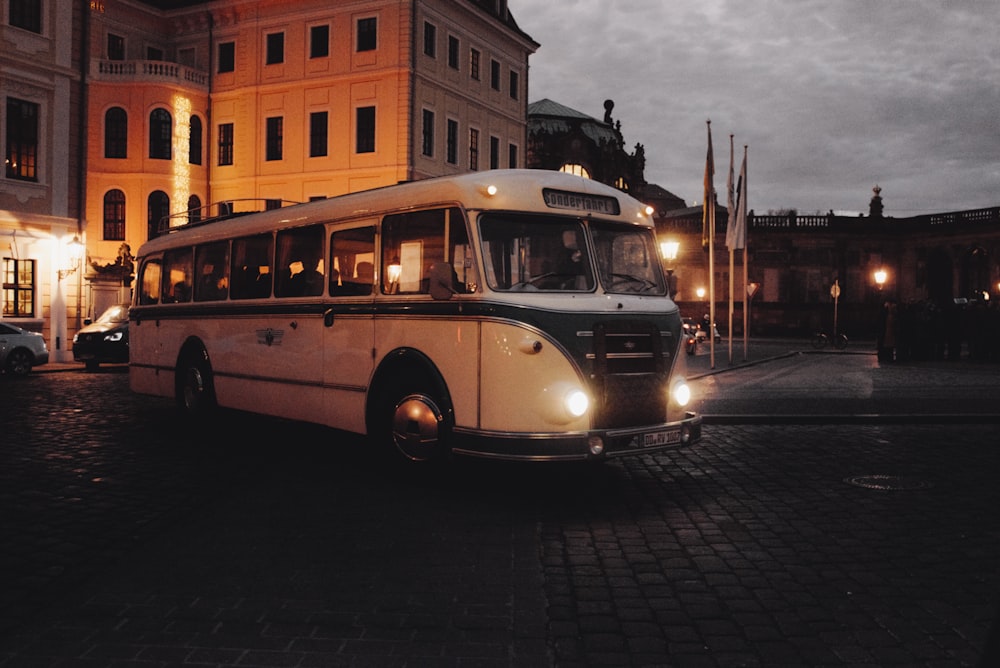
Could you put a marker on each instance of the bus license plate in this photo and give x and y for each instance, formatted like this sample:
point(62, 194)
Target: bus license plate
point(657, 438)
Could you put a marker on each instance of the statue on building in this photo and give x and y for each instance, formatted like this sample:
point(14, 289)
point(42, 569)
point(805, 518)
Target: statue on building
point(875, 207)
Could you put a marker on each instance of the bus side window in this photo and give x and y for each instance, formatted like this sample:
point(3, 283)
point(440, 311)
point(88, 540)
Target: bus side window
point(413, 242)
point(177, 275)
point(211, 267)
point(250, 274)
point(300, 262)
point(352, 259)
point(149, 282)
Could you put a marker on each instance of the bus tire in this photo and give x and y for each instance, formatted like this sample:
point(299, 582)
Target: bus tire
point(413, 423)
point(195, 390)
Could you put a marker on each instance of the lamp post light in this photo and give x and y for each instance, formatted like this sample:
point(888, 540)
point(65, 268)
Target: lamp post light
point(669, 249)
point(880, 277)
point(74, 254)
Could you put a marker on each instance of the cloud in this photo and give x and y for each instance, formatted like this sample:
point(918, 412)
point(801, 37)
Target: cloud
point(831, 98)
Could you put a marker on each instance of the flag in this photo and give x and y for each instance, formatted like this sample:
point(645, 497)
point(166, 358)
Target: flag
point(709, 200)
point(736, 230)
point(730, 204)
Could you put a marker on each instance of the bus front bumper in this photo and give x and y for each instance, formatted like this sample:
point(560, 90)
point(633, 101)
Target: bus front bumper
point(577, 446)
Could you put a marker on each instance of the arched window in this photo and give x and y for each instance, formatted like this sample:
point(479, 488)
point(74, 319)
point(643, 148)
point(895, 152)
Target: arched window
point(194, 142)
point(158, 208)
point(160, 134)
point(194, 209)
point(115, 133)
point(114, 215)
point(572, 168)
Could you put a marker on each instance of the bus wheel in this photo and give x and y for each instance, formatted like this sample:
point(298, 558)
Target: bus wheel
point(195, 393)
point(419, 430)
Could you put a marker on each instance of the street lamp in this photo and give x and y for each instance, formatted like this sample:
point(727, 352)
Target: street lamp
point(74, 254)
point(880, 277)
point(669, 249)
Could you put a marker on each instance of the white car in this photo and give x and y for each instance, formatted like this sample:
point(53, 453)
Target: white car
point(20, 350)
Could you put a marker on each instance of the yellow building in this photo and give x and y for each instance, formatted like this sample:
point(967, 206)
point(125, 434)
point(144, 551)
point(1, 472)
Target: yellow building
point(192, 103)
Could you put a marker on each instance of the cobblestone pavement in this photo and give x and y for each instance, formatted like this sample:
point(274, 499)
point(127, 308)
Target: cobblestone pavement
point(129, 540)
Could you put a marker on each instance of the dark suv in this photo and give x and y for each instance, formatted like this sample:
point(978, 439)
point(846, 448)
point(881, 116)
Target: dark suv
point(104, 340)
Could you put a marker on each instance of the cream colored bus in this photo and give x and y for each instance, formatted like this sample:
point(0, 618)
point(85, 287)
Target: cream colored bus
point(514, 314)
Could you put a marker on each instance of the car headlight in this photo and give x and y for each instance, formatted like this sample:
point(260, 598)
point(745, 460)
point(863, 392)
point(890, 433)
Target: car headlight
point(561, 403)
point(114, 336)
point(680, 392)
point(76, 337)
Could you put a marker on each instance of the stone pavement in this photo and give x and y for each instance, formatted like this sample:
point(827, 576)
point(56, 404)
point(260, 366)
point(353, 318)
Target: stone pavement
point(778, 541)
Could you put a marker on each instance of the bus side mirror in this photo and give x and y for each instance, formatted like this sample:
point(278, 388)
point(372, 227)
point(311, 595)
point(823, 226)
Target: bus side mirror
point(442, 280)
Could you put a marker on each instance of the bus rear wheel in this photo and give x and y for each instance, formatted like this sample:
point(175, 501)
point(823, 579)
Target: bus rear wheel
point(195, 391)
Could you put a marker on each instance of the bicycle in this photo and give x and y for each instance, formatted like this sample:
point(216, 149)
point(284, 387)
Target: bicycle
point(821, 339)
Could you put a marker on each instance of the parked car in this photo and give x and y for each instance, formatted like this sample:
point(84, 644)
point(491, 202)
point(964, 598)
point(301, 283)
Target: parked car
point(20, 350)
point(104, 340)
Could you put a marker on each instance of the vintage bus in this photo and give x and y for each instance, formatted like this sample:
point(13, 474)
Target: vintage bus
point(513, 314)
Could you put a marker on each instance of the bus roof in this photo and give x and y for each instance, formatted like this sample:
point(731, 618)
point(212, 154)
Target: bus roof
point(515, 190)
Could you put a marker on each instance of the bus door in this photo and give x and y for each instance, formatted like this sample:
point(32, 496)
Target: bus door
point(349, 331)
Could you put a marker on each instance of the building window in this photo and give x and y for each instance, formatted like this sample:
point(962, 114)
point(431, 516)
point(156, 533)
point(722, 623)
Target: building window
point(275, 48)
point(154, 53)
point(515, 82)
point(473, 149)
point(160, 134)
point(494, 152)
point(367, 34)
point(430, 40)
point(194, 209)
point(274, 139)
point(227, 57)
point(365, 140)
point(474, 64)
point(452, 139)
point(319, 41)
point(116, 47)
point(115, 133)
point(512, 156)
point(26, 14)
point(495, 75)
point(225, 143)
point(453, 49)
point(22, 140)
point(18, 288)
point(114, 215)
point(157, 210)
point(194, 141)
point(318, 132)
point(575, 169)
point(427, 145)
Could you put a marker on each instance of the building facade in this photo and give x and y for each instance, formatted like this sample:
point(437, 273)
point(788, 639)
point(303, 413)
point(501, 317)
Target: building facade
point(191, 103)
point(41, 215)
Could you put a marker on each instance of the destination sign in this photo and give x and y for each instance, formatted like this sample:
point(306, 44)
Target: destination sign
point(562, 199)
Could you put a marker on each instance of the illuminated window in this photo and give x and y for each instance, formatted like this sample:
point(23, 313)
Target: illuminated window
point(114, 215)
point(18, 288)
point(115, 133)
point(22, 140)
point(579, 170)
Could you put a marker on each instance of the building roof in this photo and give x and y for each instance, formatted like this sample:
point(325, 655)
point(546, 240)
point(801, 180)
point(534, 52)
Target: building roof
point(554, 118)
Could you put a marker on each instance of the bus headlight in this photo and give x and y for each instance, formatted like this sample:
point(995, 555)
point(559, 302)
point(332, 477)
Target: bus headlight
point(680, 392)
point(564, 402)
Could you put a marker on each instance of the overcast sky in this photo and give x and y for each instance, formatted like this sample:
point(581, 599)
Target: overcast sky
point(832, 98)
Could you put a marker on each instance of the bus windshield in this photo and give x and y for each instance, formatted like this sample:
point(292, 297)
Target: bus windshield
point(527, 253)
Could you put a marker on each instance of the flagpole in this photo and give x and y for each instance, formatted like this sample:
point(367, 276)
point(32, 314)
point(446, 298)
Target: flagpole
point(746, 274)
point(729, 222)
point(710, 240)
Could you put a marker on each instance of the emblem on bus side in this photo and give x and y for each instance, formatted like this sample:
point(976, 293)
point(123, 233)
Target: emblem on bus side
point(270, 337)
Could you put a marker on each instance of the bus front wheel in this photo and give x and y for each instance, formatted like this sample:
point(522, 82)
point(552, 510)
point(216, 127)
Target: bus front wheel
point(195, 391)
point(412, 424)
